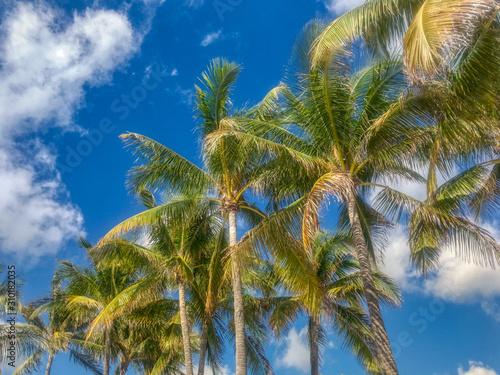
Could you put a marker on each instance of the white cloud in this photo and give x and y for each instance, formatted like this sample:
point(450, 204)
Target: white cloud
point(45, 62)
point(211, 38)
point(186, 96)
point(455, 280)
point(33, 221)
point(225, 370)
point(174, 73)
point(195, 3)
point(339, 7)
point(477, 368)
point(462, 282)
point(44, 68)
point(295, 353)
point(153, 2)
point(397, 261)
point(492, 309)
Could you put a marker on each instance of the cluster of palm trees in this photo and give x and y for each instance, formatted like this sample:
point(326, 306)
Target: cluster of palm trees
point(393, 91)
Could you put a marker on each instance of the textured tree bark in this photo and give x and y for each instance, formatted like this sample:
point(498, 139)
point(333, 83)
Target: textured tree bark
point(49, 364)
point(124, 367)
point(203, 349)
point(188, 358)
point(107, 350)
point(382, 344)
point(314, 345)
point(239, 322)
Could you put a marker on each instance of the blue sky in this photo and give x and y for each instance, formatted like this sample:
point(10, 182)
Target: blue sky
point(74, 74)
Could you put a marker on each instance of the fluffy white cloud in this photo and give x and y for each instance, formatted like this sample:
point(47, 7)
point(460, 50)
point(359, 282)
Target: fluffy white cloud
point(461, 282)
point(45, 65)
point(339, 7)
point(456, 280)
point(211, 38)
point(46, 59)
point(477, 368)
point(397, 261)
point(294, 351)
point(33, 221)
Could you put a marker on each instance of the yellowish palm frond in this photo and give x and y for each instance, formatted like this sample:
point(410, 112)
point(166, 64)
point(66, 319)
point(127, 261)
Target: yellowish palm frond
point(441, 28)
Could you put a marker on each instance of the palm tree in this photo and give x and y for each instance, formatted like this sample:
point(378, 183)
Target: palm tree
point(39, 340)
point(100, 298)
point(451, 51)
point(341, 302)
point(201, 243)
point(176, 249)
point(348, 133)
point(442, 221)
point(227, 177)
point(434, 32)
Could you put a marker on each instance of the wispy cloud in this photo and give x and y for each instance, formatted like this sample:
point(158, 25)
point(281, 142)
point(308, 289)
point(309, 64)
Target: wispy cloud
point(339, 7)
point(44, 68)
point(491, 308)
point(195, 3)
point(477, 368)
point(184, 95)
point(211, 38)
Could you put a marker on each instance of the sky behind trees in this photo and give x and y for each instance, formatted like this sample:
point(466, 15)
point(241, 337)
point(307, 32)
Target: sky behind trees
point(63, 167)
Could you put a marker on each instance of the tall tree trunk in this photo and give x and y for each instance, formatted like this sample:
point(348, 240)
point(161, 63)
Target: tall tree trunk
point(188, 358)
point(49, 364)
point(239, 321)
point(124, 366)
point(314, 345)
point(203, 349)
point(107, 350)
point(382, 344)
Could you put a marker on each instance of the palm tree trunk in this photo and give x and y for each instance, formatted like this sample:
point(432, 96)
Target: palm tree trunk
point(239, 321)
point(49, 364)
point(124, 367)
point(107, 350)
point(203, 349)
point(314, 345)
point(185, 329)
point(382, 344)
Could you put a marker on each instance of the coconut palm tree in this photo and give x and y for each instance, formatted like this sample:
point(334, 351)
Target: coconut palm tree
point(342, 131)
point(200, 242)
point(443, 220)
point(176, 249)
point(225, 181)
point(461, 99)
point(39, 340)
point(100, 298)
point(341, 303)
point(434, 32)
